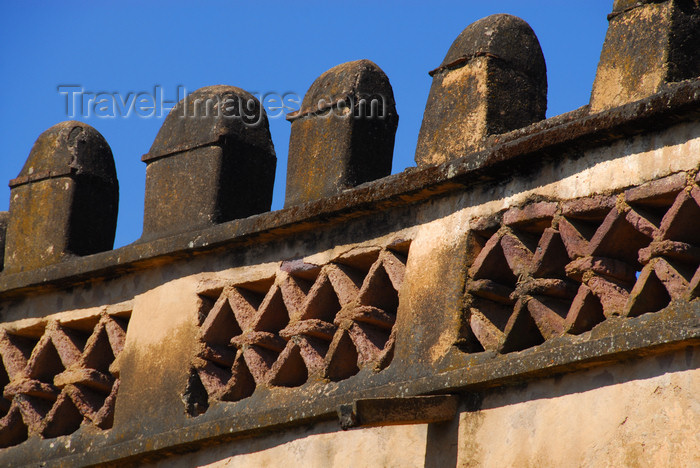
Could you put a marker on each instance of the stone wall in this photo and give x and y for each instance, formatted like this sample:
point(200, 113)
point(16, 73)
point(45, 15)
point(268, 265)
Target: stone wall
point(527, 295)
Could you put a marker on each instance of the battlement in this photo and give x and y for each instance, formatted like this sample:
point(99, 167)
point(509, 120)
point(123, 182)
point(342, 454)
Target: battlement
point(420, 308)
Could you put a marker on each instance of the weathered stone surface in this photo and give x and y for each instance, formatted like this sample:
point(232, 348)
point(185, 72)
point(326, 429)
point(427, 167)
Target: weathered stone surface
point(533, 217)
point(212, 161)
point(495, 64)
point(393, 411)
point(64, 201)
point(343, 135)
point(657, 192)
point(648, 44)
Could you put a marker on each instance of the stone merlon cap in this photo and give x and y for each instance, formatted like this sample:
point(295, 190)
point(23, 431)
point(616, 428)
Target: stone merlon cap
point(621, 5)
point(503, 37)
point(360, 78)
point(207, 117)
point(69, 148)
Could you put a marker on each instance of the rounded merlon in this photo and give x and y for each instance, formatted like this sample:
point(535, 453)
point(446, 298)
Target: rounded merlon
point(343, 135)
point(357, 78)
point(212, 161)
point(208, 116)
point(649, 43)
point(64, 201)
point(69, 147)
point(506, 37)
point(492, 80)
point(620, 6)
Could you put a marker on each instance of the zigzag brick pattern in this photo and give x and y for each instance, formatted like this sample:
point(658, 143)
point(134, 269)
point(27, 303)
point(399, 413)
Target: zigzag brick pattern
point(60, 376)
point(307, 323)
point(550, 268)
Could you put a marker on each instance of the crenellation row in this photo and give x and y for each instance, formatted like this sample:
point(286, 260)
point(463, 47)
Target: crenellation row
point(213, 159)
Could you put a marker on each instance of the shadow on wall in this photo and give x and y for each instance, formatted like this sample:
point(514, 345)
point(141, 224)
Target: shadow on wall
point(456, 442)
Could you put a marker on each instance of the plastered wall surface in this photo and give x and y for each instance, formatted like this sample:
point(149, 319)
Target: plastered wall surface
point(641, 413)
point(635, 414)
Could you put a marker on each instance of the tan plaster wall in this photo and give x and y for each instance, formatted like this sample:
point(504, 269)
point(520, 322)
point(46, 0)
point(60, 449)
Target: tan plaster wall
point(624, 164)
point(641, 413)
point(160, 344)
point(636, 414)
point(320, 446)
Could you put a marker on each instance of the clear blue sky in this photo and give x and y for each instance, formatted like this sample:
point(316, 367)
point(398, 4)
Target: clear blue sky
point(132, 46)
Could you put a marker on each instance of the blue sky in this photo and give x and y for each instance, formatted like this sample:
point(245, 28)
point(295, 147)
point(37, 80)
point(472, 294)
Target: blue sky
point(263, 47)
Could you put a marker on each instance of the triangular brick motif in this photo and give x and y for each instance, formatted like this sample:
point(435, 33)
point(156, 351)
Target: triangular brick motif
point(341, 360)
point(272, 315)
point(549, 315)
point(394, 264)
point(648, 294)
point(87, 400)
point(98, 353)
point(116, 332)
point(244, 305)
point(15, 352)
point(378, 290)
point(385, 357)
point(521, 331)
point(584, 268)
point(550, 256)
point(517, 254)
point(488, 322)
point(221, 323)
point(313, 351)
point(617, 238)
point(62, 419)
point(33, 411)
point(104, 418)
point(369, 340)
point(322, 302)
point(69, 344)
point(213, 377)
point(290, 369)
point(259, 361)
point(66, 378)
point(586, 312)
point(576, 235)
point(13, 430)
point(241, 384)
point(675, 276)
point(310, 322)
point(681, 221)
point(346, 282)
point(45, 362)
point(613, 295)
point(294, 292)
point(491, 264)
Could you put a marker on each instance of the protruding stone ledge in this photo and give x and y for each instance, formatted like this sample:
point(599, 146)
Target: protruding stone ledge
point(212, 161)
point(649, 43)
point(64, 201)
point(492, 80)
point(393, 411)
point(343, 135)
